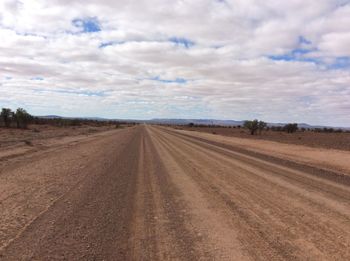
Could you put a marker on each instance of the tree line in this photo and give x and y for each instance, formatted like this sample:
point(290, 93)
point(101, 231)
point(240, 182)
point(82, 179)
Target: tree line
point(257, 126)
point(21, 118)
point(254, 126)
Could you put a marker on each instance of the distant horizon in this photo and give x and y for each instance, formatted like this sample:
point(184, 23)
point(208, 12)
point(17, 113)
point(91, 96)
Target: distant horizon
point(187, 119)
point(176, 118)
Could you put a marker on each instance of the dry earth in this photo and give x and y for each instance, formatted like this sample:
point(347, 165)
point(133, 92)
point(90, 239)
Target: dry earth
point(339, 141)
point(14, 142)
point(151, 193)
point(36, 133)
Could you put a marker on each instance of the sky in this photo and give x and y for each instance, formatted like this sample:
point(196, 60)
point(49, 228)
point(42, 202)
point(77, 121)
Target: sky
point(278, 61)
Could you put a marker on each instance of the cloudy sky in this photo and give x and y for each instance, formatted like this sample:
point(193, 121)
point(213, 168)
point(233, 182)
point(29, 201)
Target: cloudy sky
point(279, 61)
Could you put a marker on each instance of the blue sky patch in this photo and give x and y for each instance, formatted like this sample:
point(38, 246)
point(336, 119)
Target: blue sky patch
point(87, 25)
point(105, 44)
point(303, 40)
point(340, 63)
point(84, 93)
point(180, 41)
point(177, 80)
point(296, 55)
point(76, 92)
point(37, 78)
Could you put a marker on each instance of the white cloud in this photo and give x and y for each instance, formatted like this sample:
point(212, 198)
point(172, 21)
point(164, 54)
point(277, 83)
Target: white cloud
point(227, 71)
point(335, 44)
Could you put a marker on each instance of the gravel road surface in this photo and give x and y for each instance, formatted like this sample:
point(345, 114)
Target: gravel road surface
point(152, 193)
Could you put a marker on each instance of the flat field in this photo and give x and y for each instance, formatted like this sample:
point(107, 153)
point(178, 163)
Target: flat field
point(339, 141)
point(14, 142)
point(156, 193)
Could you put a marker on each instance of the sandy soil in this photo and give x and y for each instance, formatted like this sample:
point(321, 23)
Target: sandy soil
point(150, 193)
point(14, 142)
point(336, 160)
point(36, 133)
point(339, 141)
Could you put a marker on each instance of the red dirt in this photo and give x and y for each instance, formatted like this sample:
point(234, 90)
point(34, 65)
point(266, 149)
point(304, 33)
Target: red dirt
point(150, 193)
point(340, 141)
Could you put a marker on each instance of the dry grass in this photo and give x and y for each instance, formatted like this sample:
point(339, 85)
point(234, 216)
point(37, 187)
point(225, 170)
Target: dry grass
point(13, 137)
point(339, 141)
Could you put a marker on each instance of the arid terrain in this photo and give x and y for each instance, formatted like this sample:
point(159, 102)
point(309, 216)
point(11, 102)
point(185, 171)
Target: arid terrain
point(156, 193)
point(15, 142)
point(340, 141)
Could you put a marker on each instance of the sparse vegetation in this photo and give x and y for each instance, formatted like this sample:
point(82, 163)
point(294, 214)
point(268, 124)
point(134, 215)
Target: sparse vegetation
point(254, 126)
point(261, 126)
point(291, 127)
point(6, 117)
point(315, 137)
point(21, 119)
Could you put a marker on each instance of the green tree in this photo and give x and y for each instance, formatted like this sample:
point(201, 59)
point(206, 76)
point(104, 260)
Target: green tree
point(252, 126)
point(6, 116)
point(261, 125)
point(291, 127)
point(22, 118)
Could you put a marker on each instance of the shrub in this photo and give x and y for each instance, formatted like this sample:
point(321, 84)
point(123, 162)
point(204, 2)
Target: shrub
point(22, 118)
point(291, 127)
point(261, 126)
point(255, 125)
point(252, 126)
point(6, 117)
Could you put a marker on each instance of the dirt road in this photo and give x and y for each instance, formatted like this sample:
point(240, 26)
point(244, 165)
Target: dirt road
point(150, 193)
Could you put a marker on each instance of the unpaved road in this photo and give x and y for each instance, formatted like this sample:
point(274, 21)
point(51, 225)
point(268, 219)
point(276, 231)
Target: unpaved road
point(150, 193)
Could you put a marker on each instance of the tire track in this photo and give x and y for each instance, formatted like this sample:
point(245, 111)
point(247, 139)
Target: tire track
point(89, 223)
point(155, 194)
point(321, 234)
